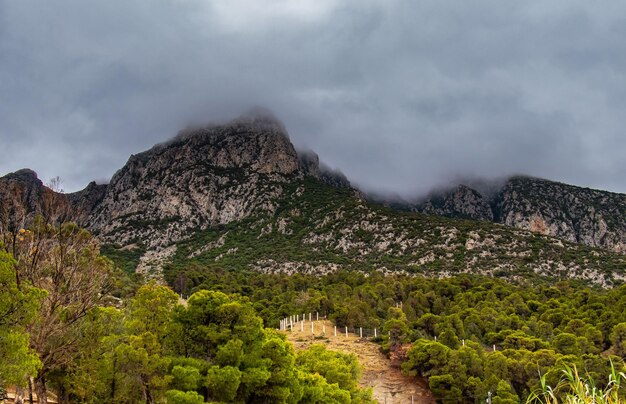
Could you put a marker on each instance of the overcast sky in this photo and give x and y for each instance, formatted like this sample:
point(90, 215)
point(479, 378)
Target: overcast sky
point(400, 95)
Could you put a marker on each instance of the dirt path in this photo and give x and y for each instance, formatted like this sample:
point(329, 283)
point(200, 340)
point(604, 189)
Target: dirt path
point(388, 383)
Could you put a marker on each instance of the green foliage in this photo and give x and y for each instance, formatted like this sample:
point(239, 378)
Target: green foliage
point(618, 338)
point(186, 377)
point(535, 327)
point(223, 382)
point(125, 259)
point(183, 397)
point(18, 361)
point(320, 225)
point(335, 367)
point(216, 347)
point(18, 306)
point(395, 330)
point(574, 388)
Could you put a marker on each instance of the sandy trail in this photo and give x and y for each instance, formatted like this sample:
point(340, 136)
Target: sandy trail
point(388, 383)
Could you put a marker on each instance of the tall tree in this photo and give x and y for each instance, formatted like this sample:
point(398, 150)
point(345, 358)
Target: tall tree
point(18, 306)
point(64, 261)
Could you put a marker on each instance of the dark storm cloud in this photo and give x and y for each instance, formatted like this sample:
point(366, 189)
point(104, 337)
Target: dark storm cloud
point(400, 95)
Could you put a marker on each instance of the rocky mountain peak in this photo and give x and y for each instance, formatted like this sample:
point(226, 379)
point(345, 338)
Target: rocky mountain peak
point(25, 175)
point(84, 202)
point(581, 215)
point(461, 201)
point(21, 197)
point(205, 176)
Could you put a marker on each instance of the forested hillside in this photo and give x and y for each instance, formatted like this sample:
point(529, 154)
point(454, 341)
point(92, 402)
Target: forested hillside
point(201, 245)
point(106, 338)
point(446, 329)
point(69, 329)
point(238, 195)
point(318, 229)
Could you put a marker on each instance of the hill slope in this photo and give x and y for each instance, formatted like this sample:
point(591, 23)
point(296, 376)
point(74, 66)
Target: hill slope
point(580, 215)
point(238, 196)
point(318, 228)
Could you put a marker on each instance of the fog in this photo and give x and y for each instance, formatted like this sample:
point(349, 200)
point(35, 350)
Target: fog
point(401, 96)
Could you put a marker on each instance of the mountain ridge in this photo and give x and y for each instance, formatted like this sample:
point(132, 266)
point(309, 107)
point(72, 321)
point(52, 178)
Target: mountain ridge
point(240, 195)
point(577, 214)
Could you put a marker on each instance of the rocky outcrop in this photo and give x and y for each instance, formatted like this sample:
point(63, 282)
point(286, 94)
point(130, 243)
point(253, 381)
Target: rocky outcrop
point(310, 165)
point(203, 177)
point(581, 215)
point(21, 198)
point(207, 180)
point(85, 202)
point(461, 202)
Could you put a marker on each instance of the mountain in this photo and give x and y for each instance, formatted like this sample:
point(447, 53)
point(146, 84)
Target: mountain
point(239, 196)
point(461, 202)
point(21, 198)
point(580, 215)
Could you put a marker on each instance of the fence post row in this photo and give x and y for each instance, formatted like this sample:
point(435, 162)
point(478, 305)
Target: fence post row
point(287, 324)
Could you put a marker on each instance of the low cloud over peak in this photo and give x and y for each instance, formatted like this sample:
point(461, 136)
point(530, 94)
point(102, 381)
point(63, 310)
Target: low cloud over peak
point(402, 96)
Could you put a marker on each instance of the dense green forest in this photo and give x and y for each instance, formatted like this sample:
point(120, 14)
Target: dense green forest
point(537, 327)
point(72, 322)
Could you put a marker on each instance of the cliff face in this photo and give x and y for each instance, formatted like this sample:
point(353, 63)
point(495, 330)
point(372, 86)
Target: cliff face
point(203, 177)
point(591, 217)
point(240, 195)
point(581, 215)
point(21, 198)
point(462, 202)
point(85, 202)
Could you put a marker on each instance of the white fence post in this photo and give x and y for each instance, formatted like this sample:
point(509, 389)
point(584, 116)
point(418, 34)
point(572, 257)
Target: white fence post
point(361, 332)
point(335, 331)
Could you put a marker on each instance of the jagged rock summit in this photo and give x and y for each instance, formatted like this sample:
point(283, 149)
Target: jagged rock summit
point(462, 202)
point(21, 197)
point(238, 195)
point(580, 215)
point(203, 177)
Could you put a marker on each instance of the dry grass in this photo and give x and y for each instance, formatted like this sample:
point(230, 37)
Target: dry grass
point(388, 383)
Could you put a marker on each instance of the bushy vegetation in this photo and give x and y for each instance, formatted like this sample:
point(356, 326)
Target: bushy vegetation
point(213, 348)
point(59, 328)
point(574, 388)
point(319, 226)
point(73, 321)
point(537, 328)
